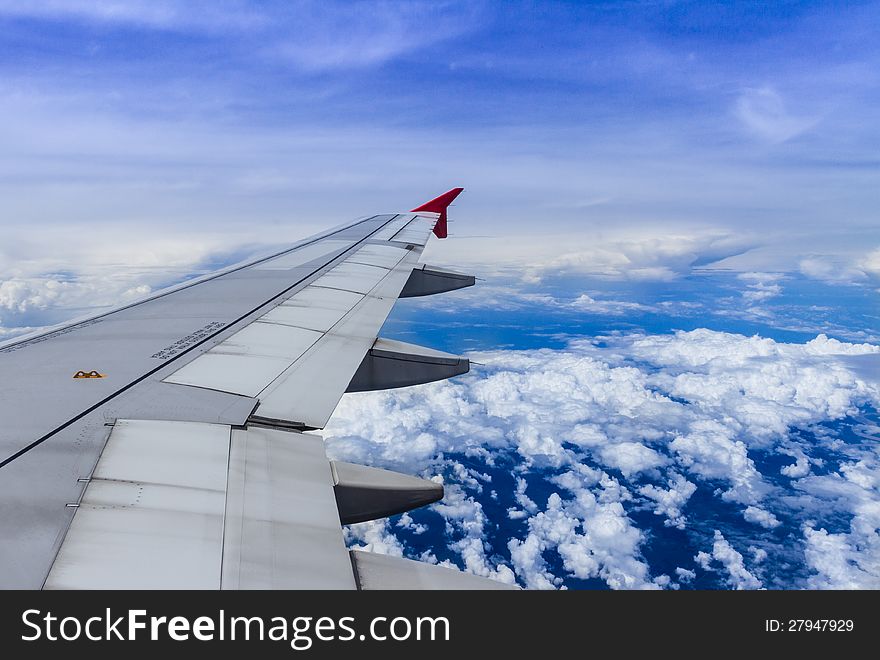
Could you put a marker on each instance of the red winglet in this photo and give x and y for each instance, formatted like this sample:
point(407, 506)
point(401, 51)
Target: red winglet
point(439, 205)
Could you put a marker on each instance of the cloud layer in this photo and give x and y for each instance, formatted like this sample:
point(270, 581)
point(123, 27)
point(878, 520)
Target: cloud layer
point(637, 423)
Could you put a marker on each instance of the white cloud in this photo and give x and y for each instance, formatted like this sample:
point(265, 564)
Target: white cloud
point(761, 286)
point(644, 253)
point(840, 565)
point(831, 269)
point(152, 14)
point(763, 385)
point(466, 521)
point(670, 502)
point(850, 559)
point(406, 522)
point(67, 273)
point(731, 561)
point(710, 451)
point(373, 536)
point(861, 268)
point(313, 36)
point(593, 538)
point(763, 112)
point(360, 35)
point(684, 574)
point(526, 503)
point(642, 422)
point(613, 307)
point(758, 554)
point(760, 517)
point(631, 457)
point(801, 466)
point(870, 263)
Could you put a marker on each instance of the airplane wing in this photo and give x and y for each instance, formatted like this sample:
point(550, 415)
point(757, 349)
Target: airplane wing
point(161, 444)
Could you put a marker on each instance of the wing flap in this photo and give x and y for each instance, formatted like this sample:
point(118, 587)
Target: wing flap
point(183, 505)
point(151, 517)
point(375, 571)
point(282, 528)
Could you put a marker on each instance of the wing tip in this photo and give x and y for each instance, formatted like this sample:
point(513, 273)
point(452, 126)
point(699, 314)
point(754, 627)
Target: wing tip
point(439, 205)
point(441, 202)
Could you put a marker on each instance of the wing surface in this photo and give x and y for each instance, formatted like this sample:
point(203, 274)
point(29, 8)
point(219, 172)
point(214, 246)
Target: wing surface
point(162, 444)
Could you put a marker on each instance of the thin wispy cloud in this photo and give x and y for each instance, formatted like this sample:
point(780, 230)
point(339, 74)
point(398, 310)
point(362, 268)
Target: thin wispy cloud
point(763, 112)
point(173, 15)
point(332, 36)
point(310, 35)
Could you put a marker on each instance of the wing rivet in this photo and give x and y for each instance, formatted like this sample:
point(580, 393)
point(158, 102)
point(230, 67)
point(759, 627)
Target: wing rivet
point(88, 374)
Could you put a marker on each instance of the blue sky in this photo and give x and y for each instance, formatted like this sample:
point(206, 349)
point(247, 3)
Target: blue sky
point(750, 123)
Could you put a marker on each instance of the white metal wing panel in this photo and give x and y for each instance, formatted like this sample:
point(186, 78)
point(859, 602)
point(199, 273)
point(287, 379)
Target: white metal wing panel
point(315, 308)
point(308, 394)
point(314, 296)
point(313, 318)
point(303, 255)
point(334, 311)
point(386, 256)
point(269, 340)
point(309, 391)
point(252, 358)
point(416, 231)
point(239, 374)
point(246, 361)
point(282, 524)
point(392, 228)
point(152, 515)
point(352, 277)
point(139, 449)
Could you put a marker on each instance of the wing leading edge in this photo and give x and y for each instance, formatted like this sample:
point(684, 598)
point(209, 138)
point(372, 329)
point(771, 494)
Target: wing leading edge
point(186, 466)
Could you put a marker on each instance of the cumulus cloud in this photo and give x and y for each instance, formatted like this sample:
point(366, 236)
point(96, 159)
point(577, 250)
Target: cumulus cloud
point(684, 574)
point(841, 565)
point(847, 559)
point(671, 501)
point(68, 273)
point(870, 263)
point(373, 536)
point(638, 422)
point(761, 286)
point(760, 517)
point(592, 537)
point(831, 269)
point(631, 457)
point(724, 557)
point(801, 466)
point(466, 522)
